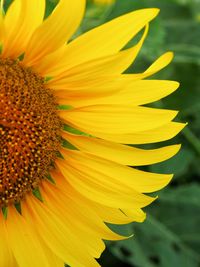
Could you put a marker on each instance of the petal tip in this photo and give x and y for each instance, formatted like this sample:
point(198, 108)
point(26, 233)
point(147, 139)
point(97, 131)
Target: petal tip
point(176, 85)
point(143, 218)
point(170, 54)
point(152, 12)
point(177, 147)
point(156, 11)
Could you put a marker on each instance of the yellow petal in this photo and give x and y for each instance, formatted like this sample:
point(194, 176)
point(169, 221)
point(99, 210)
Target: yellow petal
point(120, 153)
point(101, 189)
point(109, 65)
point(21, 20)
point(44, 64)
point(79, 217)
point(132, 178)
point(18, 229)
point(162, 133)
point(53, 260)
point(6, 256)
point(56, 30)
point(66, 210)
point(135, 92)
point(116, 119)
point(137, 213)
point(69, 86)
point(107, 214)
point(104, 2)
point(57, 236)
point(81, 82)
point(118, 216)
point(158, 65)
point(102, 41)
point(92, 89)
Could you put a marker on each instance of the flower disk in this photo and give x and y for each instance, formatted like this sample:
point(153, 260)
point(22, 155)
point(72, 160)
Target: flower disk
point(30, 128)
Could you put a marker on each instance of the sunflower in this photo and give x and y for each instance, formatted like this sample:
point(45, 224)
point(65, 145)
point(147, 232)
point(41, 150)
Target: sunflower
point(66, 115)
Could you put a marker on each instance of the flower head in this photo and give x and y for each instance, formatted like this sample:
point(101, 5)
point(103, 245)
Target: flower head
point(66, 113)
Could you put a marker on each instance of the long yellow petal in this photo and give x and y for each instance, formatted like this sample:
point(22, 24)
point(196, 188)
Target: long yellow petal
point(90, 228)
point(159, 134)
point(120, 153)
point(158, 65)
point(135, 92)
point(57, 236)
point(18, 230)
point(107, 214)
point(6, 256)
point(74, 82)
point(21, 20)
point(102, 41)
point(116, 119)
point(118, 216)
point(107, 192)
point(110, 65)
point(132, 178)
point(53, 260)
point(91, 86)
point(56, 30)
point(137, 213)
point(82, 210)
point(73, 220)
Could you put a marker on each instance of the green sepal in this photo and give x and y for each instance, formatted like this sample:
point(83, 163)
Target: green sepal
point(18, 207)
point(5, 212)
point(64, 107)
point(48, 78)
point(50, 179)
point(36, 192)
point(70, 129)
point(59, 155)
point(1, 48)
point(21, 57)
point(68, 145)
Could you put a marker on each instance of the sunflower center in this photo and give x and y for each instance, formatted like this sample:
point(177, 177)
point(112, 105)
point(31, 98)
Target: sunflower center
point(29, 131)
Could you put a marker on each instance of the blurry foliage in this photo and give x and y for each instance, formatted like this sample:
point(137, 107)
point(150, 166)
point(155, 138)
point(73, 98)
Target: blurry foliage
point(170, 237)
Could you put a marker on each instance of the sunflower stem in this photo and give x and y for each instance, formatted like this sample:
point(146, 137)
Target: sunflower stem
point(193, 140)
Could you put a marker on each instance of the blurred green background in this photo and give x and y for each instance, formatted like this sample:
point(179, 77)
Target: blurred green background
point(170, 237)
